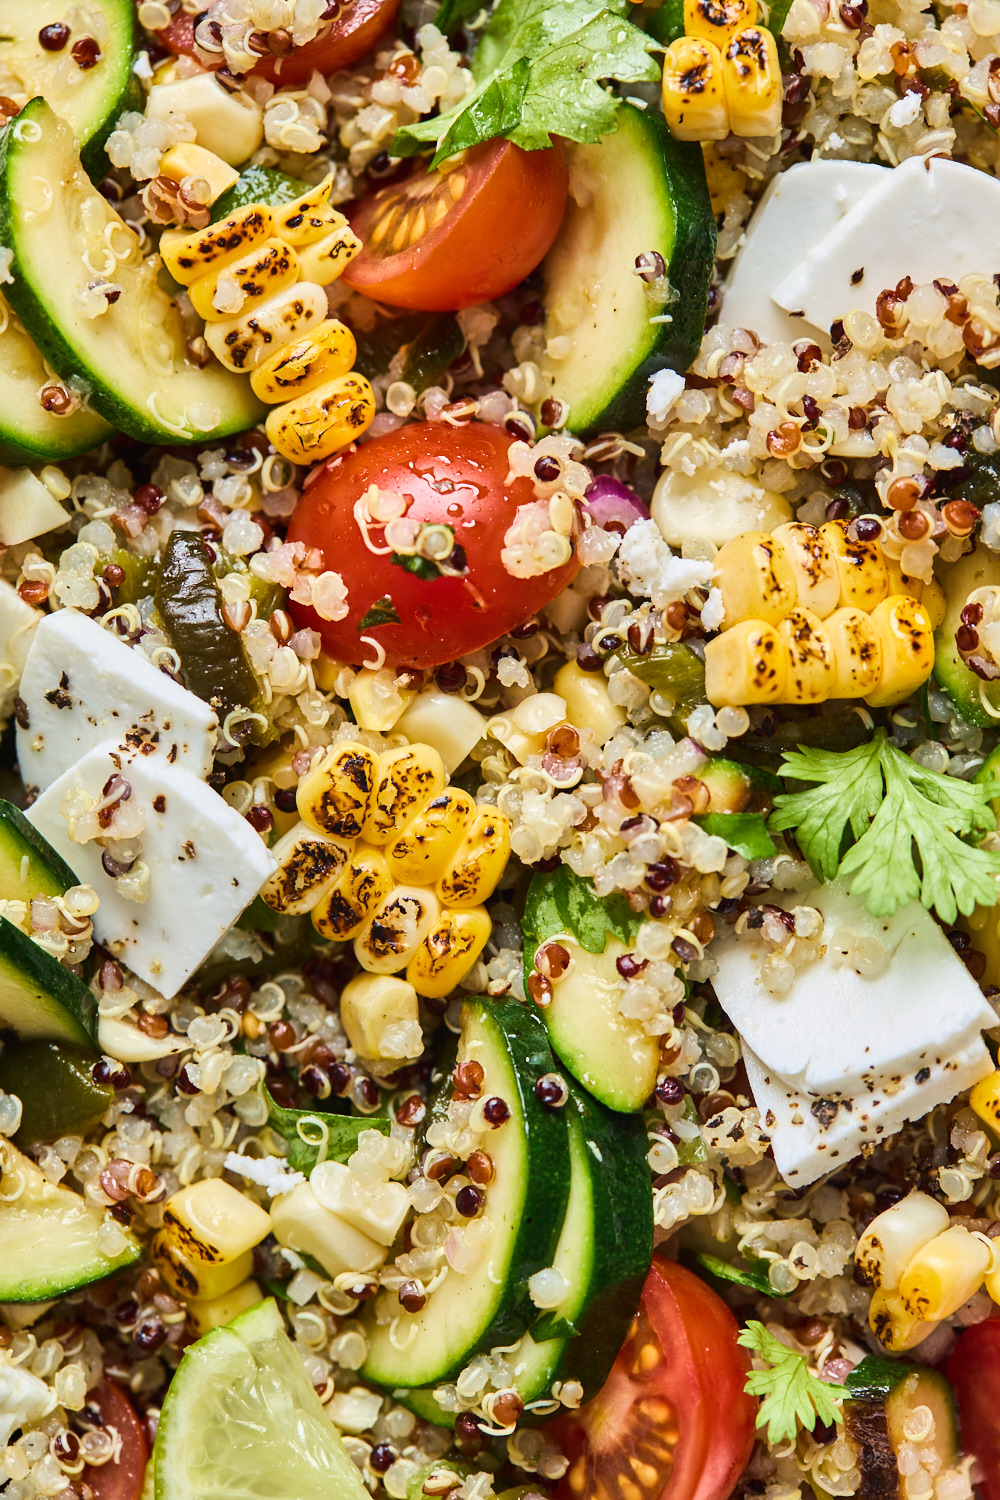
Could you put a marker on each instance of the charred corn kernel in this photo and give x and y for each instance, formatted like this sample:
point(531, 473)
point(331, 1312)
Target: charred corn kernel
point(718, 20)
point(864, 577)
point(724, 178)
point(694, 101)
point(335, 797)
point(471, 876)
point(893, 1238)
point(188, 160)
point(245, 283)
point(893, 1326)
point(307, 218)
point(378, 698)
point(410, 777)
point(322, 353)
point(755, 578)
point(587, 701)
point(857, 653)
point(934, 601)
point(328, 258)
point(301, 1223)
point(191, 1277)
point(209, 1231)
point(380, 1015)
point(751, 82)
point(944, 1274)
point(985, 1100)
point(361, 887)
point(445, 721)
point(746, 664)
point(448, 952)
point(308, 865)
point(809, 658)
point(817, 581)
point(220, 1310)
point(396, 929)
point(248, 341)
point(189, 256)
point(907, 642)
point(900, 582)
point(421, 853)
point(315, 426)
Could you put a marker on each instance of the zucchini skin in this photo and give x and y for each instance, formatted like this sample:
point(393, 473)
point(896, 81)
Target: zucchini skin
point(39, 970)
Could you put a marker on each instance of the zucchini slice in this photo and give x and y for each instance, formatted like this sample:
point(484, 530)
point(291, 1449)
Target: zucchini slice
point(132, 357)
point(39, 997)
point(30, 435)
point(29, 866)
point(978, 569)
point(882, 1394)
point(643, 192)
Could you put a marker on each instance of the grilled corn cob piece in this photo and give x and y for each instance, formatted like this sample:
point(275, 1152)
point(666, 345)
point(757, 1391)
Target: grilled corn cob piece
point(864, 576)
point(746, 664)
point(924, 1268)
point(817, 580)
point(751, 82)
point(857, 653)
point(718, 21)
point(189, 255)
point(391, 855)
point(810, 670)
point(906, 637)
point(723, 76)
point(205, 1247)
point(943, 1275)
point(694, 102)
point(895, 1236)
point(321, 353)
point(985, 1100)
point(322, 420)
point(756, 578)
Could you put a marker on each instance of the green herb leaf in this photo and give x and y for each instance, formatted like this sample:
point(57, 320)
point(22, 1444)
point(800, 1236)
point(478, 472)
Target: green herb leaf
point(538, 71)
point(452, 13)
point(382, 612)
point(422, 567)
point(306, 1145)
point(891, 811)
point(791, 1394)
point(748, 1276)
point(691, 1153)
point(560, 901)
point(745, 832)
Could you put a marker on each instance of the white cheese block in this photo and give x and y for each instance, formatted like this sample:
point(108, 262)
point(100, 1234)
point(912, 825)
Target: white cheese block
point(801, 206)
point(27, 509)
point(811, 1136)
point(18, 623)
point(206, 863)
point(82, 686)
point(839, 1032)
point(924, 219)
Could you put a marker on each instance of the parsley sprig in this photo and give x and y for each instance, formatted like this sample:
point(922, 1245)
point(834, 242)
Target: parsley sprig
point(791, 1394)
point(897, 813)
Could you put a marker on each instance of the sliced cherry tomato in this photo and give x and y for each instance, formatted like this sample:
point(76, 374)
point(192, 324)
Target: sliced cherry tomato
point(122, 1478)
point(974, 1371)
point(451, 477)
point(673, 1421)
point(439, 241)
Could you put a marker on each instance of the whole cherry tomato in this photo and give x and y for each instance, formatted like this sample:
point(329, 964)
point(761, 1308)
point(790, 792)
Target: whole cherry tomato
point(121, 1478)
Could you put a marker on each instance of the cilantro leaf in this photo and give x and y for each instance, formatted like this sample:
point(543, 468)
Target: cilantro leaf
point(538, 72)
point(382, 612)
point(895, 812)
point(745, 832)
point(753, 1276)
point(305, 1145)
point(791, 1394)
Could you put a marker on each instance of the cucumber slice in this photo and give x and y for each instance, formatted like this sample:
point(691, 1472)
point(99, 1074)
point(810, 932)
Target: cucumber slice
point(39, 997)
point(526, 1202)
point(49, 1236)
point(29, 866)
point(978, 569)
point(132, 358)
point(646, 192)
point(91, 99)
point(30, 435)
point(609, 1053)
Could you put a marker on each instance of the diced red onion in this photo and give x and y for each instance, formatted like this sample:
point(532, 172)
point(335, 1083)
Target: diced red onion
point(613, 505)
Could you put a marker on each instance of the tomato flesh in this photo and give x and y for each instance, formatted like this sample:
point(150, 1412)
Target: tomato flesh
point(974, 1371)
point(121, 1479)
point(439, 241)
point(449, 476)
point(673, 1421)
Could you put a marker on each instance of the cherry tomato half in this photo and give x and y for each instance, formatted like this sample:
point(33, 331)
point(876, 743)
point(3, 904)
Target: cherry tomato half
point(974, 1371)
point(120, 1479)
point(673, 1421)
point(444, 240)
point(453, 477)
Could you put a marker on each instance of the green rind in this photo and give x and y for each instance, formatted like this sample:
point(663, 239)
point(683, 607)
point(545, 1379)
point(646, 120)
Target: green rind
point(47, 873)
point(56, 1088)
point(873, 1378)
point(258, 185)
point(29, 435)
point(64, 1009)
point(978, 569)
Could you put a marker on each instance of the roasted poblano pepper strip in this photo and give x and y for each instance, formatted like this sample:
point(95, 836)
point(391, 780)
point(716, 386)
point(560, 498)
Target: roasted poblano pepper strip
point(55, 1085)
point(213, 662)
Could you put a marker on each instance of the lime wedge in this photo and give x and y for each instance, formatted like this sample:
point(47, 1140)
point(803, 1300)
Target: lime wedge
point(242, 1422)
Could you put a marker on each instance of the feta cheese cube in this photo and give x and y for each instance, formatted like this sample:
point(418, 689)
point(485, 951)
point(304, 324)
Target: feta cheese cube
point(206, 863)
point(18, 623)
point(377, 1210)
point(81, 686)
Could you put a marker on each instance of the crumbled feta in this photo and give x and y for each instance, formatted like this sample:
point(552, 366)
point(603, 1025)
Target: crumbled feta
point(24, 1400)
point(664, 389)
point(647, 566)
point(904, 111)
point(713, 611)
point(270, 1172)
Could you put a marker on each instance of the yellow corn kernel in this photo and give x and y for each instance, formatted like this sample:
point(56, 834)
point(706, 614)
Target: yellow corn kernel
point(364, 883)
point(410, 777)
point(317, 425)
point(246, 282)
point(248, 341)
point(893, 1326)
point(810, 658)
point(381, 1018)
point(900, 582)
point(943, 1275)
point(857, 653)
point(718, 20)
point(817, 581)
point(448, 952)
point(724, 177)
point(308, 865)
point(209, 1230)
point(482, 856)
point(188, 160)
point(379, 698)
point(746, 664)
point(447, 722)
point(420, 853)
point(307, 218)
point(755, 578)
point(907, 642)
point(588, 704)
point(231, 125)
point(991, 1283)
point(218, 1311)
point(751, 81)
point(985, 1100)
point(893, 1238)
point(191, 1277)
point(188, 256)
point(934, 601)
point(322, 354)
point(329, 257)
point(335, 797)
point(864, 577)
point(396, 929)
point(302, 1223)
point(694, 102)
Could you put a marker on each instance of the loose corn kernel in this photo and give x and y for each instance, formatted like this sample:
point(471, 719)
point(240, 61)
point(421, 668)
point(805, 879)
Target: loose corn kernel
point(381, 1017)
point(864, 577)
point(751, 82)
point(893, 1326)
point(817, 581)
point(746, 664)
point(588, 704)
point(248, 341)
point(718, 21)
point(410, 777)
point(755, 578)
point(444, 721)
point(307, 218)
point(935, 601)
point(231, 125)
point(188, 256)
point(308, 865)
point(245, 282)
point(448, 952)
point(991, 1282)
point(857, 653)
point(422, 850)
point(190, 1277)
point(379, 697)
point(810, 666)
point(362, 886)
point(396, 929)
point(301, 1223)
point(315, 426)
point(335, 797)
point(320, 355)
point(188, 160)
point(907, 642)
point(893, 1238)
point(985, 1100)
point(944, 1274)
point(472, 875)
point(209, 1231)
point(329, 257)
point(694, 101)
point(218, 1311)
